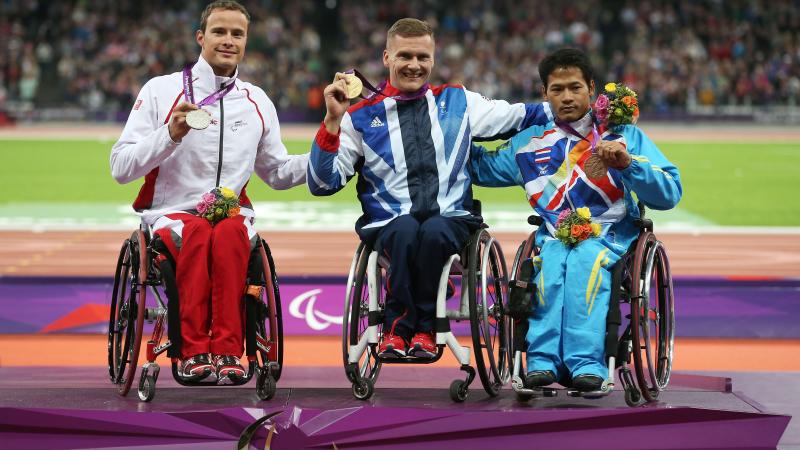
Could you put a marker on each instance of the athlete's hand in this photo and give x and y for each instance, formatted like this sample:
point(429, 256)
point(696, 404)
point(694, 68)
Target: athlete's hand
point(336, 102)
point(177, 122)
point(614, 154)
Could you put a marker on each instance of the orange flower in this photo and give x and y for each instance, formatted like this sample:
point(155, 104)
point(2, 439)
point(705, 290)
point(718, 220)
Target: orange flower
point(587, 231)
point(233, 212)
point(628, 100)
point(576, 231)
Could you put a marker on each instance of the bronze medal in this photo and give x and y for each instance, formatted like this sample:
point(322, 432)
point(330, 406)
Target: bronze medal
point(595, 167)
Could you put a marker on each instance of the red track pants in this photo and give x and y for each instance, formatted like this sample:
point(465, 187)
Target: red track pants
point(211, 269)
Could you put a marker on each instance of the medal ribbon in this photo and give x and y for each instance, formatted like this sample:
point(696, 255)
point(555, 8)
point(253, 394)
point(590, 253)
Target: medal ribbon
point(188, 90)
point(379, 90)
point(566, 127)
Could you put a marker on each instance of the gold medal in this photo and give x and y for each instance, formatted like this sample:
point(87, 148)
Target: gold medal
point(354, 85)
point(198, 119)
point(595, 167)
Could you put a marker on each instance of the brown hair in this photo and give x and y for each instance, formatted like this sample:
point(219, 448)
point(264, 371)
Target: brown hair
point(231, 5)
point(409, 27)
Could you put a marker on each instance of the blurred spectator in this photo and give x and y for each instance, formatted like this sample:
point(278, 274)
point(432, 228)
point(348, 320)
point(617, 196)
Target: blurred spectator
point(95, 54)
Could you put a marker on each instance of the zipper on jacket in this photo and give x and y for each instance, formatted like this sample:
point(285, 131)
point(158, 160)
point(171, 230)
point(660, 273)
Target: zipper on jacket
point(221, 131)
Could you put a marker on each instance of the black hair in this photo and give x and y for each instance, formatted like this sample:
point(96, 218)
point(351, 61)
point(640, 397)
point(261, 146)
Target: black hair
point(562, 59)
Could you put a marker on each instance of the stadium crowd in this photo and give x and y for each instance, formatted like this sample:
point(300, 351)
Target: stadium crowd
point(95, 54)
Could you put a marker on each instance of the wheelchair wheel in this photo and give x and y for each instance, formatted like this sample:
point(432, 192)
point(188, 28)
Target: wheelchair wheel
point(126, 318)
point(459, 391)
point(652, 316)
point(271, 327)
point(519, 326)
point(491, 328)
point(356, 322)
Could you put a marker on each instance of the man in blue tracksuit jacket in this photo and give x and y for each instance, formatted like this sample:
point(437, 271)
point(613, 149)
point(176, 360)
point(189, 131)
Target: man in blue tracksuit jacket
point(567, 327)
point(410, 146)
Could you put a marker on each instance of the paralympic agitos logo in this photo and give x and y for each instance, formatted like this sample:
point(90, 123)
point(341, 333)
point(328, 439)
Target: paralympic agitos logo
point(303, 307)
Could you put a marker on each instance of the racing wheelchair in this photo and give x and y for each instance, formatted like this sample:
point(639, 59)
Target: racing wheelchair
point(145, 264)
point(641, 290)
point(480, 272)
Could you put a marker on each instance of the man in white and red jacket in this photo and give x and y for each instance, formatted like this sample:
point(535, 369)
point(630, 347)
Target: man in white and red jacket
point(179, 164)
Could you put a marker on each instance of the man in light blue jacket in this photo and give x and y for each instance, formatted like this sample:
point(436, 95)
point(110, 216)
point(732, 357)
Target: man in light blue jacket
point(567, 326)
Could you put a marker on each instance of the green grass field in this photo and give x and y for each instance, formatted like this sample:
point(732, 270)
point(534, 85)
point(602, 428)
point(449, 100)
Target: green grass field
point(729, 183)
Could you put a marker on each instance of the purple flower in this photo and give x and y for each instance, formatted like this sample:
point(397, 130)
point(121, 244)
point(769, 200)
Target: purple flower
point(563, 215)
point(602, 102)
point(208, 198)
point(601, 108)
point(202, 207)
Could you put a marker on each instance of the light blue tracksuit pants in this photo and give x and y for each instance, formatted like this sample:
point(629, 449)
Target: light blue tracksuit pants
point(568, 324)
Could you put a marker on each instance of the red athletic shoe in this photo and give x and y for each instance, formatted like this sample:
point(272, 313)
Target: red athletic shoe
point(392, 346)
point(198, 367)
point(229, 369)
point(423, 345)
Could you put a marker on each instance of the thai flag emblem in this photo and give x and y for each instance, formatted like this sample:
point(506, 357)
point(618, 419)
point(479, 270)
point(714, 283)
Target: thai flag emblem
point(541, 156)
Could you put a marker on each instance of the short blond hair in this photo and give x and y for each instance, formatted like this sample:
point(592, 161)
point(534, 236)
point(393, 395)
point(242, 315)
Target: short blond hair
point(225, 5)
point(409, 27)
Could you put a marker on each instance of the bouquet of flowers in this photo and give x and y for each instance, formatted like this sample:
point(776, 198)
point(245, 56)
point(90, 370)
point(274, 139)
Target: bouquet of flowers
point(218, 204)
point(616, 106)
point(573, 227)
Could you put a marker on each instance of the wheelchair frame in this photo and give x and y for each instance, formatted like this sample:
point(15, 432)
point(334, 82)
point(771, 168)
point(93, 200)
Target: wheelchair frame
point(645, 265)
point(140, 267)
point(483, 272)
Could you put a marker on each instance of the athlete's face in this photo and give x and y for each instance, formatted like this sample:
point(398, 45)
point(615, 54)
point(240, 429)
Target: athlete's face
point(224, 40)
point(410, 61)
point(568, 93)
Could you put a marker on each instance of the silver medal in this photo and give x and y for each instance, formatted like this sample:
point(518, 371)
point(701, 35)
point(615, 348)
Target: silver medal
point(198, 119)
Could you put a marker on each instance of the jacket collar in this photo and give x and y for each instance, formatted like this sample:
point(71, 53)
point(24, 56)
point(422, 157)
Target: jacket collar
point(584, 124)
point(207, 78)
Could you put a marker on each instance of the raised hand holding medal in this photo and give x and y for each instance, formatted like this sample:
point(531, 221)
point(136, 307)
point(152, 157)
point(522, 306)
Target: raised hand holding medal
point(200, 119)
point(595, 167)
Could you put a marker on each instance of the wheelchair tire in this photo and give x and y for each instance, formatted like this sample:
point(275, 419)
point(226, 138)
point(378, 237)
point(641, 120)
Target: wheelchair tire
point(272, 298)
point(147, 388)
point(363, 389)
point(356, 321)
point(652, 316)
point(518, 330)
point(266, 386)
point(126, 317)
point(633, 397)
point(459, 391)
point(491, 327)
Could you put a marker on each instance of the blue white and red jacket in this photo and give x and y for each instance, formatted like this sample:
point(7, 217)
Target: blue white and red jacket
point(412, 156)
point(549, 163)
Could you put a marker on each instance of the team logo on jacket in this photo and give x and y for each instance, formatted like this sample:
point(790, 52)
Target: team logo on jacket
point(541, 157)
point(376, 122)
point(238, 124)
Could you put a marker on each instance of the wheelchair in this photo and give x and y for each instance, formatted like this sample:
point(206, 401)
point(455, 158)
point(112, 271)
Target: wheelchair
point(641, 289)
point(480, 271)
point(145, 264)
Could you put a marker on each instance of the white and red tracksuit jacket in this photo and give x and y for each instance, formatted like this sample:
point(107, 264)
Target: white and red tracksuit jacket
point(244, 136)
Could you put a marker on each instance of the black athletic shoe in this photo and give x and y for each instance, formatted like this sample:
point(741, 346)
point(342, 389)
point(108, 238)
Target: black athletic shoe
point(587, 383)
point(539, 378)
